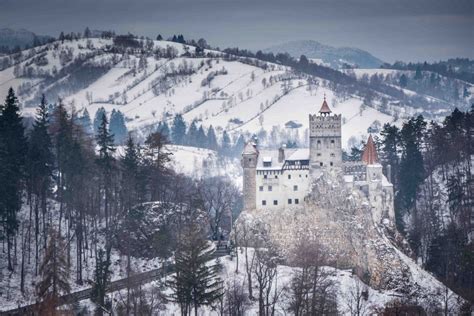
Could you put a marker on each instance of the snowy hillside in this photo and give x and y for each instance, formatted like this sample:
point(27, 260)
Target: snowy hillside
point(234, 94)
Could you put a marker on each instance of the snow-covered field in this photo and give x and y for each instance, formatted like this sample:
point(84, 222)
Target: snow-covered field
point(239, 92)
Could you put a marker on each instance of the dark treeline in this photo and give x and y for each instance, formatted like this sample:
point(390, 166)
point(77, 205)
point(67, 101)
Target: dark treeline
point(458, 68)
point(67, 197)
point(431, 168)
point(179, 134)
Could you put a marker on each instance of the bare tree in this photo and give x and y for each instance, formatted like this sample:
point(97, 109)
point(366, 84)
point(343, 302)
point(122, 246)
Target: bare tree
point(236, 300)
point(266, 277)
point(312, 291)
point(357, 300)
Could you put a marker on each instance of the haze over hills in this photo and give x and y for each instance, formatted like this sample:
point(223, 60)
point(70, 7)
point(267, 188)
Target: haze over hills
point(22, 38)
point(335, 57)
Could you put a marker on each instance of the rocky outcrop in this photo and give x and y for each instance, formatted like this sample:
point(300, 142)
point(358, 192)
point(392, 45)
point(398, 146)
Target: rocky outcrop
point(340, 219)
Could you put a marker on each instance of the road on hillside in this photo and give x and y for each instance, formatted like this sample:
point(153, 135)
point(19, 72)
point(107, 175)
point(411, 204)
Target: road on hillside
point(114, 286)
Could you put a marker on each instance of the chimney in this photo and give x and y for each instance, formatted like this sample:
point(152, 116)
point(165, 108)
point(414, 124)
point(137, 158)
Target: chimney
point(281, 153)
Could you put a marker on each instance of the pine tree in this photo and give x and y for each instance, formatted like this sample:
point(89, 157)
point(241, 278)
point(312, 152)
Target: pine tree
point(239, 146)
point(117, 127)
point(164, 130)
point(159, 37)
point(54, 275)
point(86, 123)
point(101, 279)
point(87, 33)
point(98, 119)
point(192, 138)
point(418, 74)
point(403, 81)
point(130, 165)
point(211, 139)
point(196, 282)
point(411, 164)
point(178, 131)
point(12, 167)
point(226, 144)
point(390, 148)
point(105, 141)
point(40, 167)
point(201, 138)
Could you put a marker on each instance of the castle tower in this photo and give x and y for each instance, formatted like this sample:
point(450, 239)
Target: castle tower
point(249, 164)
point(325, 150)
point(380, 190)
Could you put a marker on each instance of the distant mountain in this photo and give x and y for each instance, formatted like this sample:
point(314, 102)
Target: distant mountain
point(12, 38)
point(335, 57)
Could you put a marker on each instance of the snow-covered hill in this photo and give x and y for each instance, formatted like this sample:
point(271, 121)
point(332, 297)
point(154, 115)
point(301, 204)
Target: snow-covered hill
point(152, 84)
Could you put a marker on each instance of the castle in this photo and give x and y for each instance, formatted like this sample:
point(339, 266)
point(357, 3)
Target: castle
point(282, 178)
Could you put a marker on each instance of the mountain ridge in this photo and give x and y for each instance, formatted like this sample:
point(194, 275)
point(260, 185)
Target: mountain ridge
point(336, 57)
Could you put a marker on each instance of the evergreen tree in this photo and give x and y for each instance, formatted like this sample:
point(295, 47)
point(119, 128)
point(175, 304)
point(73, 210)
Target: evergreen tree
point(239, 146)
point(54, 275)
point(164, 130)
point(101, 279)
point(418, 74)
point(86, 123)
point(117, 127)
point(178, 131)
point(226, 144)
point(159, 37)
point(390, 149)
point(87, 33)
point(40, 163)
point(201, 138)
point(211, 139)
point(130, 165)
point(411, 164)
point(13, 149)
point(403, 81)
point(192, 138)
point(105, 141)
point(196, 283)
point(98, 119)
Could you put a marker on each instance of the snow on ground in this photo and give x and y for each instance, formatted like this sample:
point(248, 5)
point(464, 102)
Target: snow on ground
point(346, 285)
point(239, 94)
point(198, 162)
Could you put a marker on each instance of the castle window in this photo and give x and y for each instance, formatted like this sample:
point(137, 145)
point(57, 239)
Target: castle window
point(289, 201)
point(333, 155)
point(318, 144)
point(319, 154)
point(250, 159)
point(276, 177)
point(321, 164)
point(331, 163)
point(264, 176)
point(289, 176)
point(264, 202)
point(275, 202)
point(260, 188)
point(297, 201)
point(295, 188)
point(270, 188)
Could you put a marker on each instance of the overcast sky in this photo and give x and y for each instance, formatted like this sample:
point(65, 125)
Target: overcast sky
point(410, 30)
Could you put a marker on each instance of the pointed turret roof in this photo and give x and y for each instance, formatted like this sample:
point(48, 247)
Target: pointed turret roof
point(250, 149)
point(369, 156)
point(325, 107)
